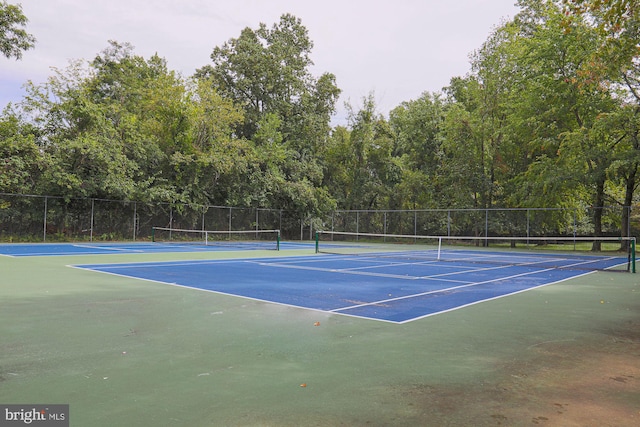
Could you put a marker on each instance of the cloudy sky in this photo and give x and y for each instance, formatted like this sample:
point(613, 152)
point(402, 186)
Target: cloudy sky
point(395, 49)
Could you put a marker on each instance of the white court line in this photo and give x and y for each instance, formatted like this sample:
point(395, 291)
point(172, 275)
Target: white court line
point(463, 286)
point(359, 270)
point(153, 264)
point(440, 290)
point(336, 270)
point(106, 248)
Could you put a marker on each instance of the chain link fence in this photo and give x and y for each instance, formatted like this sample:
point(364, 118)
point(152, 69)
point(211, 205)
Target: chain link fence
point(49, 218)
point(25, 218)
point(617, 221)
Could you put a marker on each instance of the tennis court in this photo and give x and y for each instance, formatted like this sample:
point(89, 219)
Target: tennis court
point(389, 286)
point(63, 249)
point(175, 334)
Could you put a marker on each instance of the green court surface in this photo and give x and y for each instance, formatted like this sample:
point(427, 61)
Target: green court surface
point(127, 352)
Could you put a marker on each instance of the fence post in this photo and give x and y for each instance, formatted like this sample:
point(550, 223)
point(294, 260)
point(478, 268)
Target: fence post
point(135, 219)
point(628, 208)
point(575, 227)
point(91, 227)
point(44, 231)
point(384, 227)
point(486, 228)
point(332, 222)
point(528, 228)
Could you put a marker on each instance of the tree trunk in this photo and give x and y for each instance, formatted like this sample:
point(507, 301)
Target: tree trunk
point(630, 185)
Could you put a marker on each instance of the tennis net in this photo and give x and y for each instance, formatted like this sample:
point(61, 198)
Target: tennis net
point(231, 239)
point(585, 253)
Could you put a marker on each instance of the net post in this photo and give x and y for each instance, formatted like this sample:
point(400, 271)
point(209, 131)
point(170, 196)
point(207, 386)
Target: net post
point(277, 240)
point(153, 234)
point(439, 246)
point(317, 241)
point(633, 255)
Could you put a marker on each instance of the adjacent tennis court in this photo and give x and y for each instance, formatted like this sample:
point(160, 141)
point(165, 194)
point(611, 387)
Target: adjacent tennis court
point(64, 249)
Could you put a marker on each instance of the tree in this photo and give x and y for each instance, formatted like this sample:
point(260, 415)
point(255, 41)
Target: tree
point(568, 114)
point(22, 161)
point(463, 173)
point(624, 172)
point(417, 128)
point(214, 167)
point(617, 62)
point(13, 38)
point(615, 19)
point(104, 126)
point(359, 166)
point(617, 57)
point(266, 73)
point(479, 148)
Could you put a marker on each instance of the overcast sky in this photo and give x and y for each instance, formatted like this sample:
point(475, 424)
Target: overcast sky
point(395, 49)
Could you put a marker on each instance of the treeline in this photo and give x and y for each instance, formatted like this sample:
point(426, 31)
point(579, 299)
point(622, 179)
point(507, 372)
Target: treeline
point(548, 116)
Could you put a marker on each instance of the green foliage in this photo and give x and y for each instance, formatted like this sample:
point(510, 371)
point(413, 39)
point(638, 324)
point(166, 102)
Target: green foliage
point(286, 113)
point(417, 127)
point(21, 162)
point(359, 167)
point(267, 71)
point(539, 121)
point(13, 38)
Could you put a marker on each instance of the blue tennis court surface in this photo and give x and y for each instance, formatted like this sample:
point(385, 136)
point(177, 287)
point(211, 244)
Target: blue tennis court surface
point(386, 289)
point(59, 249)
